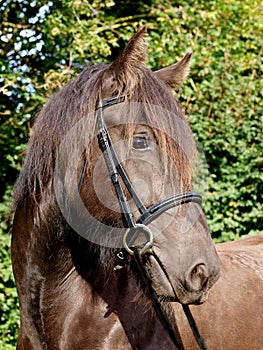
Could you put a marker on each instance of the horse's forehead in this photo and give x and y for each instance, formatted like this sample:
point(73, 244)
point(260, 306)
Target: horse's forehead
point(120, 114)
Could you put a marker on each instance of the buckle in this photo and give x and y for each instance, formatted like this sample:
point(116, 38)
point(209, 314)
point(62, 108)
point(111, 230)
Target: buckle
point(132, 233)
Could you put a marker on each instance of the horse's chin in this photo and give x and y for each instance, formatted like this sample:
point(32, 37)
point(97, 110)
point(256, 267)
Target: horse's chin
point(184, 297)
point(193, 298)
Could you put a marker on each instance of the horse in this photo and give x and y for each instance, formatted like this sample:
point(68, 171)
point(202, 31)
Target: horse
point(231, 318)
point(108, 230)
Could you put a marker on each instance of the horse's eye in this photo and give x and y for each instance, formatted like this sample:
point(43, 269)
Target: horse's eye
point(139, 143)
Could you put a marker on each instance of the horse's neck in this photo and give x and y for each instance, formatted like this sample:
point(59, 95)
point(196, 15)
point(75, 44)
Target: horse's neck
point(124, 297)
point(135, 312)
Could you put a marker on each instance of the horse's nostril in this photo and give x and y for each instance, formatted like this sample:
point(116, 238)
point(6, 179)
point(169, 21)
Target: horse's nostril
point(197, 278)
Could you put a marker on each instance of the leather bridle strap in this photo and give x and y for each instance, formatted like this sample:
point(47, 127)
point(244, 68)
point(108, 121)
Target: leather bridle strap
point(153, 213)
point(173, 332)
point(186, 309)
point(108, 153)
point(193, 326)
point(114, 166)
point(156, 210)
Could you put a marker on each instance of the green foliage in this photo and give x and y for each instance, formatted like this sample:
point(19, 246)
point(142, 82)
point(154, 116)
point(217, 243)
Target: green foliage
point(44, 44)
point(9, 317)
point(226, 112)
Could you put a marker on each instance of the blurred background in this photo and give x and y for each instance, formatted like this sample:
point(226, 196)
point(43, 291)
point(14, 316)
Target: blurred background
point(44, 44)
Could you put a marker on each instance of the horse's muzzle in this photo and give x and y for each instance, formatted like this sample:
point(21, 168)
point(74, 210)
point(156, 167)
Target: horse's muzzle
point(192, 289)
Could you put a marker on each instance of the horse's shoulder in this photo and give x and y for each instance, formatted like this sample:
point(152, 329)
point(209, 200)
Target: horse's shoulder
point(244, 244)
point(245, 253)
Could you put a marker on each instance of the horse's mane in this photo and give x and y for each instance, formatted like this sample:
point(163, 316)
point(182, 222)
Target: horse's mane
point(78, 100)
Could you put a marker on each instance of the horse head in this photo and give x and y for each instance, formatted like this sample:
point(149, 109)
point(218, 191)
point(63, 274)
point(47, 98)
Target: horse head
point(153, 145)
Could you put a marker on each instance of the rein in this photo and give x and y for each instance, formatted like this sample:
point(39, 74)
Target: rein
point(134, 229)
point(173, 332)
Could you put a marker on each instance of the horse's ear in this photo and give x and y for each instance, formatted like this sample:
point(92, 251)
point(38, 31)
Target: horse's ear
point(174, 75)
point(135, 52)
point(126, 69)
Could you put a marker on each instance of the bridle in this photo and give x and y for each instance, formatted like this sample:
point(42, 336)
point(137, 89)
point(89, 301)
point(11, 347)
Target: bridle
point(115, 170)
point(139, 227)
